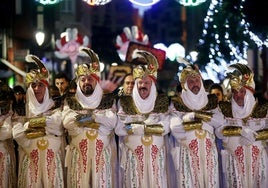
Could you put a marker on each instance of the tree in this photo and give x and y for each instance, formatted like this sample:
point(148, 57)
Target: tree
point(231, 27)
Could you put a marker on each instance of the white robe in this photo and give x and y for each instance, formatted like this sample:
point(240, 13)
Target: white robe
point(195, 154)
point(143, 159)
point(8, 174)
point(91, 154)
point(40, 159)
point(245, 164)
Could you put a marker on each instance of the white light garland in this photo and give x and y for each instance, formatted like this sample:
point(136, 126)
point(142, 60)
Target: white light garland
point(239, 55)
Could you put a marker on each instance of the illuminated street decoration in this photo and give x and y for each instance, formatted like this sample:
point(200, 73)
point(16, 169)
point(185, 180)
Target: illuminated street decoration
point(48, 2)
point(173, 51)
point(97, 2)
point(133, 34)
point(191, 2)
point(144, 2)
point(69, 44)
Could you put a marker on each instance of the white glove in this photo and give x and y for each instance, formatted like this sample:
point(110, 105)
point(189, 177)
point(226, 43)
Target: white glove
point(208, 128)
point(244, 141)
point(248, 134)
point(138, 129)
point(188, 117)
point(152, 119)
point(53, 127)
point(107, 117)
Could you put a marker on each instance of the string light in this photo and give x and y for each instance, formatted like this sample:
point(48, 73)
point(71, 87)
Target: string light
point(220, 39)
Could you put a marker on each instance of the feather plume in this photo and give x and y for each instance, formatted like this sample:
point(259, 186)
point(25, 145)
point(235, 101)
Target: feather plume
point(183, 61)
point(34, 59)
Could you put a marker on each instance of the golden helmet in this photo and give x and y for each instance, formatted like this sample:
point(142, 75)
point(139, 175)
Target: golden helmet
point(189, 70)
point(39, 74)
point(240, 75)
point(92, 68)
point(148, 67)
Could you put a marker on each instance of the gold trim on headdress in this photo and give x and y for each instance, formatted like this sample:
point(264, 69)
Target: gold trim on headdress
point(89, 68)
point(35, 75)
point(148, 69)
point(241, 76)
point(189, 70)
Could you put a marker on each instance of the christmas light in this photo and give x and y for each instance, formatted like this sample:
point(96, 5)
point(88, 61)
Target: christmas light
point(221, 44)
point(144, 2)
point(191, 2)
point(48, 2)
point(97, 2)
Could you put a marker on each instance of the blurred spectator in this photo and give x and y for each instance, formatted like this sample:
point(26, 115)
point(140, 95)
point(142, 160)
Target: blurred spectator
point(61, 82)
point(7, 148)
point(207, 83)
point(18, 104)
point(217, 90)
point(127, 86)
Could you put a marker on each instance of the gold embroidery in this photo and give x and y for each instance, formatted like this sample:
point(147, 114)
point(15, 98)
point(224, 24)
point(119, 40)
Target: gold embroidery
point(129, 107)
point(155, 129)
point(180, 106)
point(231, 131)
point(200, 133)
point(37, 122)
point(147, 140)
point(262, 134)
point(42, 144)
point(188, 126)
point(92, 134)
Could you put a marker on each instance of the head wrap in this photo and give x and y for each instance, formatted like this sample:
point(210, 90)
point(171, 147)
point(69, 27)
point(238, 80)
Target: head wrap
point(92, 68)
point(244, 111)
point(37, 75)
point(146, 65)
point(34, 108)
point(194, 101)
point(191, 100)
point(92, 101)
point(144, 105)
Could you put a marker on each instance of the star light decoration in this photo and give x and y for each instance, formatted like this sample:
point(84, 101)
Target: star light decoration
point(48, 2)
point(97, 2)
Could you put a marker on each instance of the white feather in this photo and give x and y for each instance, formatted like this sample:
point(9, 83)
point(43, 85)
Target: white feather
point(183, 60)
point(135, 53)
point(29, 58)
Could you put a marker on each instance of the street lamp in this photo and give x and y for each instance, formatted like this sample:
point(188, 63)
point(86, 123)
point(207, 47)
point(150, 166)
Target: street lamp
point(40, 37)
